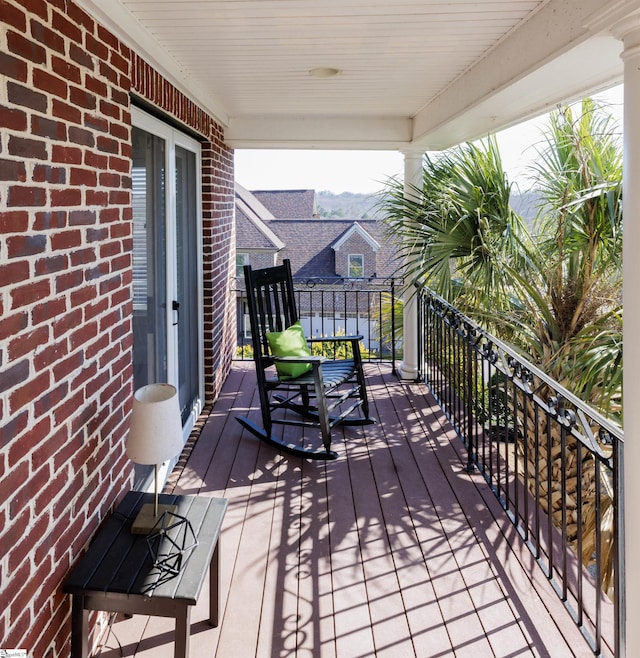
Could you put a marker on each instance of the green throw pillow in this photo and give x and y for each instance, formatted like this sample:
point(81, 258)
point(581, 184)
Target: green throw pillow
point(290, 342)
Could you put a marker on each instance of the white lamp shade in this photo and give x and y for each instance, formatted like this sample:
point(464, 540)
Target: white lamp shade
point(155, 433)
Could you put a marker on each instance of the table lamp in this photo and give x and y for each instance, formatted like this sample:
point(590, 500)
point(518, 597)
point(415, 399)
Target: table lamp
point(155, 435)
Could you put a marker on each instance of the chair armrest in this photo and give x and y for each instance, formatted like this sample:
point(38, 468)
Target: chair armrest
point(298, 359)
point(333, 339)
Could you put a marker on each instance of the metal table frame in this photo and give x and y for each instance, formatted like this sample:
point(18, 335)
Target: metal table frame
point(117, 573)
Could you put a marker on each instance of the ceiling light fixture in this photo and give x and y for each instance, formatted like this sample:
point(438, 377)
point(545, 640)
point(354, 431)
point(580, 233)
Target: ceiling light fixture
point(324, 72)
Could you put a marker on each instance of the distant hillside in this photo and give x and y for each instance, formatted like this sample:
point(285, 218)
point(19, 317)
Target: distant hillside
point(348, 205)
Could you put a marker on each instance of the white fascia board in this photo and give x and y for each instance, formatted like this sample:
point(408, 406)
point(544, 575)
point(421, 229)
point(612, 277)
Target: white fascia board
point(356, 228)
point(114, 16)
point(563, 51)
point(359, 133)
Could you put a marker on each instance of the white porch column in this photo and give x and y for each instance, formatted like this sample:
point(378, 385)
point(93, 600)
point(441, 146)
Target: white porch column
point(629, 32)
point(409, 365)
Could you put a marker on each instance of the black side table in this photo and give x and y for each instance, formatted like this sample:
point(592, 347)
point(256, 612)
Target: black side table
point(117, 573)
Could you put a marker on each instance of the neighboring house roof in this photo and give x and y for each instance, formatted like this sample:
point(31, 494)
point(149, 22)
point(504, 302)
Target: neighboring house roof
point(252, 233)
point(288, 204)
point(309, 244)
point(356, 228)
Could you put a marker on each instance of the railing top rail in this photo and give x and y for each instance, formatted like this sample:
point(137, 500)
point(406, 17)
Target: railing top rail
point(471, 329)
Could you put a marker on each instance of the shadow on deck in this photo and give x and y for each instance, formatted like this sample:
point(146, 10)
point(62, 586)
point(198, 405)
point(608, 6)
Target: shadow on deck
point(391, 550)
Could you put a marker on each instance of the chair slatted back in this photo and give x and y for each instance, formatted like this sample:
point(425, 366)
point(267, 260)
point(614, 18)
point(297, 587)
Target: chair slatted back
point(271, 302)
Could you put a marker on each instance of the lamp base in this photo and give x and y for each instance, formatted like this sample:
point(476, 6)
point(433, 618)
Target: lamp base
point(146, 519)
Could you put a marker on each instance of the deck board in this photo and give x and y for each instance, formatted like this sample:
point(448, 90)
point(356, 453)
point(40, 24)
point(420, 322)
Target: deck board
point(392, 550)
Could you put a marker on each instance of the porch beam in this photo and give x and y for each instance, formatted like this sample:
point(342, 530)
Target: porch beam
point(528, 72)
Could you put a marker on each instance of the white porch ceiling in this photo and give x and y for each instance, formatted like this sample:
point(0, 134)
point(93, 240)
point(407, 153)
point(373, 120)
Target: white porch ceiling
point(423, 73)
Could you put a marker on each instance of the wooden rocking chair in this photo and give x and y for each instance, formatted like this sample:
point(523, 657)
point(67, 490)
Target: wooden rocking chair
point(294, 387)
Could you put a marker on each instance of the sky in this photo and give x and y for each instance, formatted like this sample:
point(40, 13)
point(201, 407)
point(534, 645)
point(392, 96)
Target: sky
point(367, 171)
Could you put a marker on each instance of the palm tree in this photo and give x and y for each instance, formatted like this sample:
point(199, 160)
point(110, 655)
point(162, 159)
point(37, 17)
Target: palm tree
point(552, 290)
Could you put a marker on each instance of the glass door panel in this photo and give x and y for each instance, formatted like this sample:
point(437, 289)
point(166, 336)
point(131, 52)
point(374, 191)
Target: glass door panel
point(149, 259)
point(187, 259)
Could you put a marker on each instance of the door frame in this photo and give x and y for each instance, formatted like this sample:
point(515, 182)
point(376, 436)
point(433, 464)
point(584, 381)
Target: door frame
point(173, 137)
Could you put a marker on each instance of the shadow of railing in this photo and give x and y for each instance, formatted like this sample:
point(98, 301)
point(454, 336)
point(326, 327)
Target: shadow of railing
point(552, 461)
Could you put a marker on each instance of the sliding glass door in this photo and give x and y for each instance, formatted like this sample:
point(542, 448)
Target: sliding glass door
point(167, 286)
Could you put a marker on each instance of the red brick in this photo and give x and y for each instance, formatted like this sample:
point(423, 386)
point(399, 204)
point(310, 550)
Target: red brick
point(96, 198)
point(83, 335)
point(67, 322)
point(48, 310)
point(97, 272)
point(82, 217)
point(81, 136)
point(43, 127)
point(14, 272)
point(71, 364)
point(119, 197)
point(96, 160)
point(20, 551)
point(14, 221)
point(29, 293)
point(23, 447)
point(45, 221)
point(83, 256)
point(82, 98)
point(62, 24)
point(69, 408)
point(27, 342)
point(96, 123)
point(65, 111)
point(12, 324)
point(48, 174)
point(13, 67)
point(15, 530)
point(83, 295)
point(65, 70)
point(24, 147)
point(13, 170)
point(80, 17)
point(47, 37)
point(51, 399)
point(95, 85)
point(51, 353)
point(13, 119)
point(81, 176)
point(66, 154)
point(52, 84)
point(66, 240)
point(80, 56)
point(69, 196)
point(14, 17)
point(19, 45)
point(20, 195)
point(24, 395)
point(68, 280)
point(51, 264)
point(19, 246)
point(14, 375)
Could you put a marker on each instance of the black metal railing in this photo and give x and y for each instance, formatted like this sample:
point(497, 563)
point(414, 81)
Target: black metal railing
point(330, 307)
point(553, 462)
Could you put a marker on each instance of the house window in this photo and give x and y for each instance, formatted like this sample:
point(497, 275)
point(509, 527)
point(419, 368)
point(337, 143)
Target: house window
point(241, 260)
point(356, 266)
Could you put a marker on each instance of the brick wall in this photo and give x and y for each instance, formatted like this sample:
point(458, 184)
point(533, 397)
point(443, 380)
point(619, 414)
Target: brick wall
point(65, 295)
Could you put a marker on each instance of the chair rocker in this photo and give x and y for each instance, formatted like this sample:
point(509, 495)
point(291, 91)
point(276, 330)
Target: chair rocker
point(301, 390)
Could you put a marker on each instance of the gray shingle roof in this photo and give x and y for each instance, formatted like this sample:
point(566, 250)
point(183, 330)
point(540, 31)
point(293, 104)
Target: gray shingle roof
point(288, 204)
point(308, 244)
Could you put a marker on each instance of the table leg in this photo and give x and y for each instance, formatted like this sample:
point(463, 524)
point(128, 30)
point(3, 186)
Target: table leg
point(214, 585)
point(79, 628)
point(183, 631)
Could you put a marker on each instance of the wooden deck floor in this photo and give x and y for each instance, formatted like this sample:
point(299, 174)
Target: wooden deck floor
point(393, 550)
